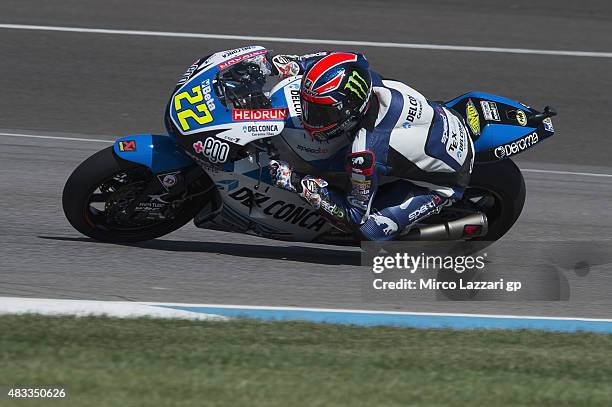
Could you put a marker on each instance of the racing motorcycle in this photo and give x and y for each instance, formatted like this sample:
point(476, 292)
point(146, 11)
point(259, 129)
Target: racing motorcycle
point(224, 127)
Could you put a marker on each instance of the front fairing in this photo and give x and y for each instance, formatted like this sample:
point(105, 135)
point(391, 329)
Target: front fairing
point(203, 125)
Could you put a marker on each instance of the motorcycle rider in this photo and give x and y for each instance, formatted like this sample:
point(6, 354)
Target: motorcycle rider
point(395, 131)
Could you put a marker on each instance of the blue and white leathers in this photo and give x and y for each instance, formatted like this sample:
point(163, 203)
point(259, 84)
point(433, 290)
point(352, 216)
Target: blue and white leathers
point(424, 147)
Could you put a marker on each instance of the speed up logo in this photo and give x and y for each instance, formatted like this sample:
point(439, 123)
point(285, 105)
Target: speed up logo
point(333, 209)
point(517, 146)
point(472, 117)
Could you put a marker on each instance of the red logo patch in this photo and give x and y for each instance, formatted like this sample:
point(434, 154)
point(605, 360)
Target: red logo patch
point(239, 58)
point(472, 230)
point(241, 115)
point(127, 146)
point(362, 162)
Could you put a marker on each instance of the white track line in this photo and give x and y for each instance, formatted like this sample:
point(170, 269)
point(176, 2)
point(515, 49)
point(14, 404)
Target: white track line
point(587, 174)
point(365, 311)
point(119, 309)
point(442, 47)
point(127, 309)
point(56, 137)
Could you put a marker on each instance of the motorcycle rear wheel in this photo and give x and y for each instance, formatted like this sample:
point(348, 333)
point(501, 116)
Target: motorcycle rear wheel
point(502, 183)
point(498, 190)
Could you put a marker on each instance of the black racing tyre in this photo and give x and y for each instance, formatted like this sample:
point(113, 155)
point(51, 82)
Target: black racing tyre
point(121, 182)
point(503, 182)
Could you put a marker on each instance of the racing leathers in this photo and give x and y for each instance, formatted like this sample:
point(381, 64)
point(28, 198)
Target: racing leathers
point(409, 158)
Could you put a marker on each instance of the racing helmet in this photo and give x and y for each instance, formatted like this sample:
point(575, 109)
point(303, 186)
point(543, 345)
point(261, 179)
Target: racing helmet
point(334, 94)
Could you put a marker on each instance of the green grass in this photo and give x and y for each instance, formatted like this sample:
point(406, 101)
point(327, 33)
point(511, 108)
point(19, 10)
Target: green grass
point(147, 362)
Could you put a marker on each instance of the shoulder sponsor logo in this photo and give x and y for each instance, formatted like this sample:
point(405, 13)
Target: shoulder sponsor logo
point(259, 114)
point(127, 146)
point(472, 117)
point(287, 212)
point(415, 109)
point(521, 118)
point(445, 126)
point(517, 146)
point(455, 137)
point(489, 110)
point(455, 145)
point(296, 102)
point(215, 150)
point(239, 58)
point(292, 94)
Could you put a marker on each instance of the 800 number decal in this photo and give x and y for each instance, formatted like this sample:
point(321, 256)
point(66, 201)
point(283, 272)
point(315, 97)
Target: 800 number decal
point(215, 150)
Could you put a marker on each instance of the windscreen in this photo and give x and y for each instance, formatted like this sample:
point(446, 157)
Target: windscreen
point(241, 85)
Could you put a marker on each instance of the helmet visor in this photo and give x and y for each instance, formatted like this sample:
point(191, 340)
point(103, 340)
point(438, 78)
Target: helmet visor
point(317, 117)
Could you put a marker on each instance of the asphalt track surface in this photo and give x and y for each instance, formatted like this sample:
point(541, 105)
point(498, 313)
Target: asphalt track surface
point(96, 86)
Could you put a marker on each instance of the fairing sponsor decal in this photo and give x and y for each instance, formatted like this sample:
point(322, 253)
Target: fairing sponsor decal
point(127, 146)
point(473, 118)
point(259, 114)
point(517, 146)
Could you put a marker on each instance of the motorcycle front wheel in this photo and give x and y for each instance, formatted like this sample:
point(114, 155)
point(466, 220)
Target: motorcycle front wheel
point(113, 200)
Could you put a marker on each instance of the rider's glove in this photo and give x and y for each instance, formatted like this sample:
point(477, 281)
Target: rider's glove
point(281, 173)
point(314, 190)
point(286, 65)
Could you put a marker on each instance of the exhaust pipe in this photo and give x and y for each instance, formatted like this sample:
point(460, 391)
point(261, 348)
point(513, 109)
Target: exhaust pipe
point(469, 227)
